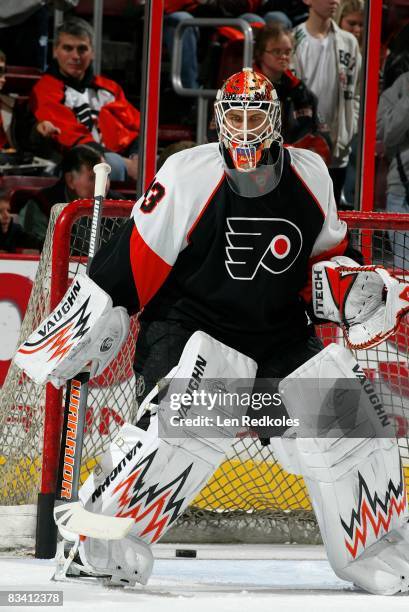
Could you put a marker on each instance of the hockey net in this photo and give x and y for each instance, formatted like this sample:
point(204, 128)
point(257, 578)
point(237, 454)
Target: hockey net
point(250, 497)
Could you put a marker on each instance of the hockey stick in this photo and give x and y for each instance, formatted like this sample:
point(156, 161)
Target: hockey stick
point(68, 511)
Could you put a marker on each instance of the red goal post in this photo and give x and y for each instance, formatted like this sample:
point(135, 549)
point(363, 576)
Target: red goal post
point(250, 496)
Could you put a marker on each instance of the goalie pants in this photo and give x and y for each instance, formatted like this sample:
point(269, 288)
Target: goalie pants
point(160, 345)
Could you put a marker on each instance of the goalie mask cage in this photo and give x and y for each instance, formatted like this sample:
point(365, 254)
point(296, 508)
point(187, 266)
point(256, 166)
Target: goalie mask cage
point(250, 498)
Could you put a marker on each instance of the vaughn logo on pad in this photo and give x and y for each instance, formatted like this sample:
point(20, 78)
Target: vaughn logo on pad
point(57, 315)
point(59, 339)
point(57, 331)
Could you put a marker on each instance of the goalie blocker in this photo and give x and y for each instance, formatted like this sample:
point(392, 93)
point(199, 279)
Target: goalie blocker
point(84, 328)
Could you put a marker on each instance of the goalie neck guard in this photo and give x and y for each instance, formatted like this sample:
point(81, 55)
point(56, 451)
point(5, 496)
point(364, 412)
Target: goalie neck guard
point(247, 113)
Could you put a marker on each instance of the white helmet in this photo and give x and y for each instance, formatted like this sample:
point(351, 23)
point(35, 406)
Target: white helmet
point(248, 118)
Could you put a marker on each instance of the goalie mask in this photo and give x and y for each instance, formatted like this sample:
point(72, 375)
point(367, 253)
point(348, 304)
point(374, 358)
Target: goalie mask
point(247, 113)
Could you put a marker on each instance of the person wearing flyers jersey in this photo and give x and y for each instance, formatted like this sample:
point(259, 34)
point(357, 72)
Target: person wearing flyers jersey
point(217, 259)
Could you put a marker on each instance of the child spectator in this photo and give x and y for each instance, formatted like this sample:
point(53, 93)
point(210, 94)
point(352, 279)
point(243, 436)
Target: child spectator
point(76, 182)
point(272, 54)
point(12, 235)
point(86, 109)
point(350, 17)
point(328, 60)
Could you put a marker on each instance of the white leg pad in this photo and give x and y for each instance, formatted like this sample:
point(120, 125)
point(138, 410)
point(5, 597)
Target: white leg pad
point(152, 479)
point(356, 484)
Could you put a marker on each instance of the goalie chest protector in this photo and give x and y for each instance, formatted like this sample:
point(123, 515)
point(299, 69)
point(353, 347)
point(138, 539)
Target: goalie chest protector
point(231, 266)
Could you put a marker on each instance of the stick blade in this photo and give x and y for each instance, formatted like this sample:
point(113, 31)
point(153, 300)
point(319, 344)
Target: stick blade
point(73, 517)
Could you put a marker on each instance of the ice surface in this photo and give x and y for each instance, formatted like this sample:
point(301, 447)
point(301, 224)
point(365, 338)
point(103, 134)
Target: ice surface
point(292, 579)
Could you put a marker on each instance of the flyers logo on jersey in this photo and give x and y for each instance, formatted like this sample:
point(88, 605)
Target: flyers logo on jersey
point(273, 244)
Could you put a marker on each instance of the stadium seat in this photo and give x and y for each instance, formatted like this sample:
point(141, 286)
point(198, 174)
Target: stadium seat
point(125, 188)
point(14, 182)
point(21, 79)
point(19, 197)
point(22, 188)
point(27, 187)
point(174, 132)
point(231, 53)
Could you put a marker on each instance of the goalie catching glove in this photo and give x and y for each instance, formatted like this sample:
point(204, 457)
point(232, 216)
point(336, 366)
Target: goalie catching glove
point(83, 329)
point(367, 301)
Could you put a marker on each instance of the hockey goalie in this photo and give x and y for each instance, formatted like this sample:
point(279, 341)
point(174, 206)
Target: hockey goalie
point(230, 247)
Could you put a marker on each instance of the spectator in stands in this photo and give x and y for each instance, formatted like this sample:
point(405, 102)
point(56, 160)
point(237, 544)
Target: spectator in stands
point(77, 181)
point(24, 29)
point(328, 60)
point(12, 235)
point(392, 129)
point(272, 55)
point(350, 17)
point(86, 108)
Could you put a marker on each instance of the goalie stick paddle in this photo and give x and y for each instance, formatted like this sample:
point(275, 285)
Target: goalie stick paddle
point(68, 511)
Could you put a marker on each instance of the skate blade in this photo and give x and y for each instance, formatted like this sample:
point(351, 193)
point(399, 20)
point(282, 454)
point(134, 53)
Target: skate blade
point(81, 579)
point(106, 581)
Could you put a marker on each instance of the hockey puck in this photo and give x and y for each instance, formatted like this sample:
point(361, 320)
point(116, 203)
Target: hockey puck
point(186, 553)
